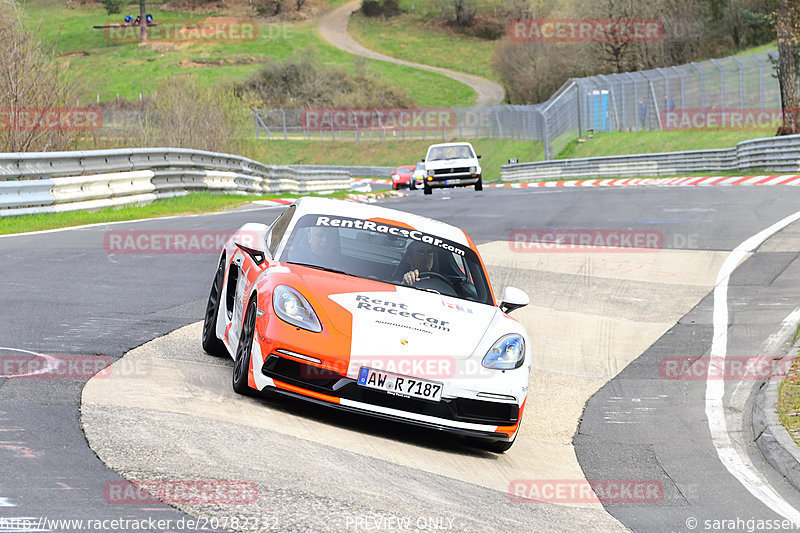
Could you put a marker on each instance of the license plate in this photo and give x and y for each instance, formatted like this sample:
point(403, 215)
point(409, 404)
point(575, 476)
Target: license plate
point(400, 385)
point(452, 182)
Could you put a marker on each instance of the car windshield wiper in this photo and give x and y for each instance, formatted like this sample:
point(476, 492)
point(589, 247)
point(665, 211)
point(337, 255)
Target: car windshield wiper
point(320, 267)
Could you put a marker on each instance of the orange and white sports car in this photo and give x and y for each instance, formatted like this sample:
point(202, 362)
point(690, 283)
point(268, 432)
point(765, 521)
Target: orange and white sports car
point(375, 311)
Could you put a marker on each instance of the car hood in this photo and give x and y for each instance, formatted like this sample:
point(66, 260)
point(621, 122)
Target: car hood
point(447, 163)
point(407, 322)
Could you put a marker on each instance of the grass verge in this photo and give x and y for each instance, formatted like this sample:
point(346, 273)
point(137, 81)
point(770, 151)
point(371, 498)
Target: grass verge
point(494, 152)
point(201, 202)
point(408, 37)
point(642, 142)
point(788, 406)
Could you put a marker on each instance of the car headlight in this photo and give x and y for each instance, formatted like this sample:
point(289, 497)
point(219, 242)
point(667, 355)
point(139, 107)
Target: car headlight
point(292, 307)
point(507, 353)
point(472, 170)
point(430, 172)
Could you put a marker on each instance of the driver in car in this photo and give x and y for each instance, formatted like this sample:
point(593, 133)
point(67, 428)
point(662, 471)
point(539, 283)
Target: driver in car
point(420, 258)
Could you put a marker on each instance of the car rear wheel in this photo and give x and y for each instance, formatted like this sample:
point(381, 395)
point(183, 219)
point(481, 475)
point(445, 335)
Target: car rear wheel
point(241, 366)
point(211, 343)
point(479, 184)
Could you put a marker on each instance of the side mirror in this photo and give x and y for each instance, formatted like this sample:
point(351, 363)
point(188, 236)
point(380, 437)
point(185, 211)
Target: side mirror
point(513, 298)
point(479, 157)
point(422, 160)
point(251, 238)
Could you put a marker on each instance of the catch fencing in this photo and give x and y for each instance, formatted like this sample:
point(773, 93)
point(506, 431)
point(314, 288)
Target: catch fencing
point(697, 93)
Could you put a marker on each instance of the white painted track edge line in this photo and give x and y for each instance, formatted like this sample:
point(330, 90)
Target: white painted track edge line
point(715, 389)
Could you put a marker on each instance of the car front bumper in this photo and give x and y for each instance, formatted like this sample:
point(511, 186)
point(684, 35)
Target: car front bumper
point(452, 180)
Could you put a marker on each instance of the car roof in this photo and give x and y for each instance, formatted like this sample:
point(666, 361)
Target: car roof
point(329, 206)
point(464, 143)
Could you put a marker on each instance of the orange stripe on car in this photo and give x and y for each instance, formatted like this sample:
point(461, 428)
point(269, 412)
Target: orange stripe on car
point(390, 222)
point(475, 249)
point(510, 430)
point(306, 392)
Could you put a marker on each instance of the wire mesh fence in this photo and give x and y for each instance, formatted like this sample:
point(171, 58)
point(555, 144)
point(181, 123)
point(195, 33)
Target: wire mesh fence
point(730, 92)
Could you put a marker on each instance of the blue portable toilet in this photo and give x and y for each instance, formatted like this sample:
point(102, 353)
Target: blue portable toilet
point(598, 105)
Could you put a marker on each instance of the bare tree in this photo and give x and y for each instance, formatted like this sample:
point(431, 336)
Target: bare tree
point(465, 12)
point(142, 21)
point(786, 26)
point(31, 83)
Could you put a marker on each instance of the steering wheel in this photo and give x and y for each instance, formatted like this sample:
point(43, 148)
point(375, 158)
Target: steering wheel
point(429, 274)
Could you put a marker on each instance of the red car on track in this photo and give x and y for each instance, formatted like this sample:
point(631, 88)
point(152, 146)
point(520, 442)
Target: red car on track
point(402, 176)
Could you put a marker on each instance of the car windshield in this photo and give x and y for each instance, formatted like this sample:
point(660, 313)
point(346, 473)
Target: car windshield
point(420, 166)
point(384, 252)
point(440, 153)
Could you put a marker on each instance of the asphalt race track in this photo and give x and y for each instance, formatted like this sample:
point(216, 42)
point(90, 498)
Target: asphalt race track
point(603, 323)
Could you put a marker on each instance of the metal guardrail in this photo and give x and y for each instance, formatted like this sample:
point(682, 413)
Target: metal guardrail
point(778, 154)
point(49, 182)
point(355, 171)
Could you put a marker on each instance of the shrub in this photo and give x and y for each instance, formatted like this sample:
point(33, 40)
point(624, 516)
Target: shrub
point(301, 83)
point(113, 6)
point(380, 8)
point(182, 113)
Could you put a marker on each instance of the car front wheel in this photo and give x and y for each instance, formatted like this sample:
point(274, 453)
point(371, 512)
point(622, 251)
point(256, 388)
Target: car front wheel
point(241, 366)
point(479, 184)
point(211, 344)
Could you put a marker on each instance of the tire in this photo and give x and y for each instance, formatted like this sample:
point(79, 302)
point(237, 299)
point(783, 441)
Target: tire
point(479, 184)
point(211, 344)
point(241, 365)
point(413, 184)
point(426, 188)
point(394, 186)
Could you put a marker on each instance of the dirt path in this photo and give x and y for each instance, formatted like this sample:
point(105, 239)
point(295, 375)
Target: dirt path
point(333, 28)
